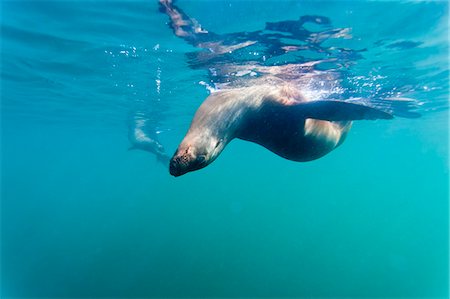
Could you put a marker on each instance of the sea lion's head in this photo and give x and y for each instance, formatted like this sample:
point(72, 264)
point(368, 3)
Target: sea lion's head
point(195, 153)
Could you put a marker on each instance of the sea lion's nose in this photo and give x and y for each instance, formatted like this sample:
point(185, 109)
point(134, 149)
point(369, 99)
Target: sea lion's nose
point(174, 166)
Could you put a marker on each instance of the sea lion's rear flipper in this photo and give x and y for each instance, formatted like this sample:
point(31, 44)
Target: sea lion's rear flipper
point(358, 109)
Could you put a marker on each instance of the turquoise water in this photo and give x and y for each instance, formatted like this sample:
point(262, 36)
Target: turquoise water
point(81, 216)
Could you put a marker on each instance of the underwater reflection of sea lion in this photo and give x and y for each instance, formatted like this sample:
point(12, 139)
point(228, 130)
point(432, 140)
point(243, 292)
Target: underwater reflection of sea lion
point(270, 104)
point(143, 137)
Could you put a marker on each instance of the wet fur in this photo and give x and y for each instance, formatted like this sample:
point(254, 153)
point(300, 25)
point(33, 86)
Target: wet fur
point(264, 114)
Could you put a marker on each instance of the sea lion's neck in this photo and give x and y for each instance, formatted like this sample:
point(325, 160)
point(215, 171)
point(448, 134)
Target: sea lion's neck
point(222, 115)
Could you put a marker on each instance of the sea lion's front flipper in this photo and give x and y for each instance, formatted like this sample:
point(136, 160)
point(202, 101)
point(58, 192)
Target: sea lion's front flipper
point(357, 109)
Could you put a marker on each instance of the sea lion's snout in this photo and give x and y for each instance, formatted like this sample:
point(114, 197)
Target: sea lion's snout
point(178, 165)
point(182, 164)
point(196, 151)
point(174, 167)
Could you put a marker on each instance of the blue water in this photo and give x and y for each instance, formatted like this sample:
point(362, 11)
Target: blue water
point(81, 216)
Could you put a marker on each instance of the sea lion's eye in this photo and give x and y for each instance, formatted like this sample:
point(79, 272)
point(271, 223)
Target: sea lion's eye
point(201, 159)
point(218, 143)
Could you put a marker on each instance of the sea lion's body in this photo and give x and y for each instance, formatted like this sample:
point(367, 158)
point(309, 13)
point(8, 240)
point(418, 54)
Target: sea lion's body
point(292, 137)
point(264, 114)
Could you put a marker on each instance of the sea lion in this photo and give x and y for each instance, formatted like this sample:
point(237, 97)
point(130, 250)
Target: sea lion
point(276, 116)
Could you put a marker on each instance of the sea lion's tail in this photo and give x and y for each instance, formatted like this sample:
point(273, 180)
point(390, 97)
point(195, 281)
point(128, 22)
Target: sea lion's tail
point(359, 109)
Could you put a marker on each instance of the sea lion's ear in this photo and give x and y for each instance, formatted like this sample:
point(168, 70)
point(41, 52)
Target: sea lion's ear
point(356, 109)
